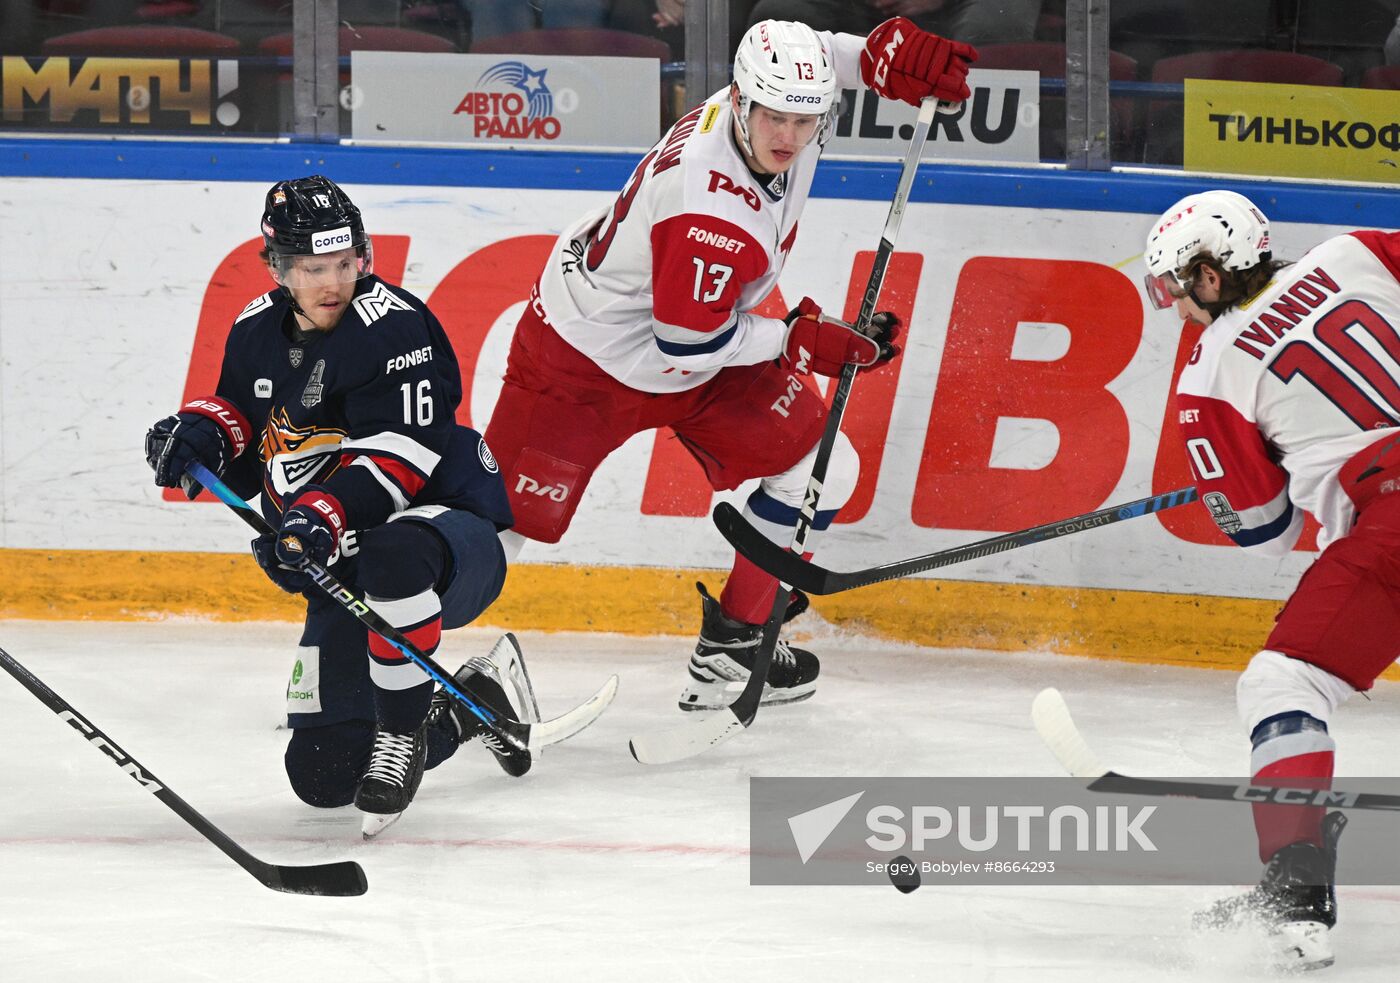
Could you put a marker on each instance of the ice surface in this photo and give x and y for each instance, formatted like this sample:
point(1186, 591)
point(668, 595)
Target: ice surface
point(593, 867)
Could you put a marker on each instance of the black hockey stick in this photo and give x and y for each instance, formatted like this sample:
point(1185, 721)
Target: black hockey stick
point(532, 737)
point(343, 879)
point(693, 738)
point(1057, 729)
point(791, 568)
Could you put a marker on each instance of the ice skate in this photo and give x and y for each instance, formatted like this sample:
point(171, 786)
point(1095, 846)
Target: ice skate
point(724, 656)
point(502, 681)
point(1295, 903)
point(392, 778)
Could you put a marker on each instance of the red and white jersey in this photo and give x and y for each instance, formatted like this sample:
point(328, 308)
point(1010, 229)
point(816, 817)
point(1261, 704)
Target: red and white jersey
point(1283, 390)
point(657, 287)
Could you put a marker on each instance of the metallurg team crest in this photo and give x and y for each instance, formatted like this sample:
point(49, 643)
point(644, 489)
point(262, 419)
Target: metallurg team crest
point(297, 455)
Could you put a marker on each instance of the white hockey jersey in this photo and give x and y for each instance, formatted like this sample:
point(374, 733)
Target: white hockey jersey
point(657, 288)
point(1284, 390)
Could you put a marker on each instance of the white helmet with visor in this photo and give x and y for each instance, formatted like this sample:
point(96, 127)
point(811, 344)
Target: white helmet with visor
point(1223, 225)
point(783, 66)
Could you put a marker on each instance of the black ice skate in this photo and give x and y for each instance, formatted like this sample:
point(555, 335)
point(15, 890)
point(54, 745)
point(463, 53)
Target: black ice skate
point(502, 682)
point(1296, 902)
point(725, 653)
point(391, 780)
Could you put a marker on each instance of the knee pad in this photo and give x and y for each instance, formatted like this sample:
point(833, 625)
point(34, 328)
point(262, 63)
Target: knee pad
point(401, 559)
point(1274, 684)
point(324, 764)
point(842, 473)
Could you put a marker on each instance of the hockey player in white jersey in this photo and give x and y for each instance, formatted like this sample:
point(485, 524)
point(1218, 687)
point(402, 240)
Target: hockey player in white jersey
point(644, 318)
point(1290, 404)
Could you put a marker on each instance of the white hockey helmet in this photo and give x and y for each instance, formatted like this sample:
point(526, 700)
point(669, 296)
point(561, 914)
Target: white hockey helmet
point(782, 65)
point(1223, 225)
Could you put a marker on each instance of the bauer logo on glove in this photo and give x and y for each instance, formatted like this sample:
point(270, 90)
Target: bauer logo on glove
point(311, 529)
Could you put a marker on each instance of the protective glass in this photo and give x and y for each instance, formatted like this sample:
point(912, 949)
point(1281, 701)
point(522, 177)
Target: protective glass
point(300, 271)
point(1165, 290)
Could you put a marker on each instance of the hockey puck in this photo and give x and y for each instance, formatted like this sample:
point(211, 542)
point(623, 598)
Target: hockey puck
point(904, 875)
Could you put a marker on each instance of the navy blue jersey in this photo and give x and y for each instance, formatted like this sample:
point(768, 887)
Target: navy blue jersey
point(366, 411)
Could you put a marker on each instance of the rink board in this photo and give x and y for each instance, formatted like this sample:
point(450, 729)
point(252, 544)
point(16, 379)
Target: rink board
point(1035, 385)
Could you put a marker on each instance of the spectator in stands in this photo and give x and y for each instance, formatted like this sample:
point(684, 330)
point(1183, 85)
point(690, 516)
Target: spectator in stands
point(669, 13)
point(491, 18)
point(1392, 45)
point(973, 21)
point(666, 19)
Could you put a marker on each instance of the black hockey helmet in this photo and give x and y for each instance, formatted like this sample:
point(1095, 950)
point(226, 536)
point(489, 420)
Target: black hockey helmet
point(310, 216)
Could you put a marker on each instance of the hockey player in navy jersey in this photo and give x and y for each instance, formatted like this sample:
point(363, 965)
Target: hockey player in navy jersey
point(1290, 404)
point(337, 403)
point(644, 318)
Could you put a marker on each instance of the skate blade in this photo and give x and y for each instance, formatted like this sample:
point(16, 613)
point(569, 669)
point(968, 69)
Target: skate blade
point(721, 699)
point(1299, 947)
point(375, 823)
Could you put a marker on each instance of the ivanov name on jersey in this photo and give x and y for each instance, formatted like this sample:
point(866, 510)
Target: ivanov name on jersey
point(1288, 387)
point(368, 410)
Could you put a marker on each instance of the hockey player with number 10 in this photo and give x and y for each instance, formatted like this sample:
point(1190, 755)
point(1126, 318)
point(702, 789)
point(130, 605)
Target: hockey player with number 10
point(337, 402)
point(644, 318)
point(1290, 404)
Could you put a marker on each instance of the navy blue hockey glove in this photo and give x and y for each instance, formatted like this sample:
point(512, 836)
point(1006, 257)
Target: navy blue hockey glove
point(311, 529)
point(210, 430)
point(265, 552)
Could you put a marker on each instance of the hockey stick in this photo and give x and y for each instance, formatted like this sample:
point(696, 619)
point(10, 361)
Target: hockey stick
point(532, 737)
point(693, 738)
point(343, 879)
point(791, 569)
point(1057, 729)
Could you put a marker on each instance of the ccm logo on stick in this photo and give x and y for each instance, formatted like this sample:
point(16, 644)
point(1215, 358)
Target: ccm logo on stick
point(104, 744)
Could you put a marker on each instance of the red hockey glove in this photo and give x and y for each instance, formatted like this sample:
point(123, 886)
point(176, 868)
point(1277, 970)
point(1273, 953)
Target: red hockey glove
point(902, 61)
point(824, 345)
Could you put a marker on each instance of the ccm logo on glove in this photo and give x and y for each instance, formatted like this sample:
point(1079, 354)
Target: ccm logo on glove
point(903, 62)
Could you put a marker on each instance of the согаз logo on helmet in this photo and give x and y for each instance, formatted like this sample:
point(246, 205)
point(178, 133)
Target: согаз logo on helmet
point(330, 241)
point(511, 101)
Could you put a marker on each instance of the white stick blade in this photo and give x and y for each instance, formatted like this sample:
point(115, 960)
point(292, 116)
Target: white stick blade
point(686, 740)
point(1056, 727)
point(563, 727)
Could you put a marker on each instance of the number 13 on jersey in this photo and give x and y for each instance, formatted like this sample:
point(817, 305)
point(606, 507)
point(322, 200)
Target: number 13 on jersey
point(710, 280)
